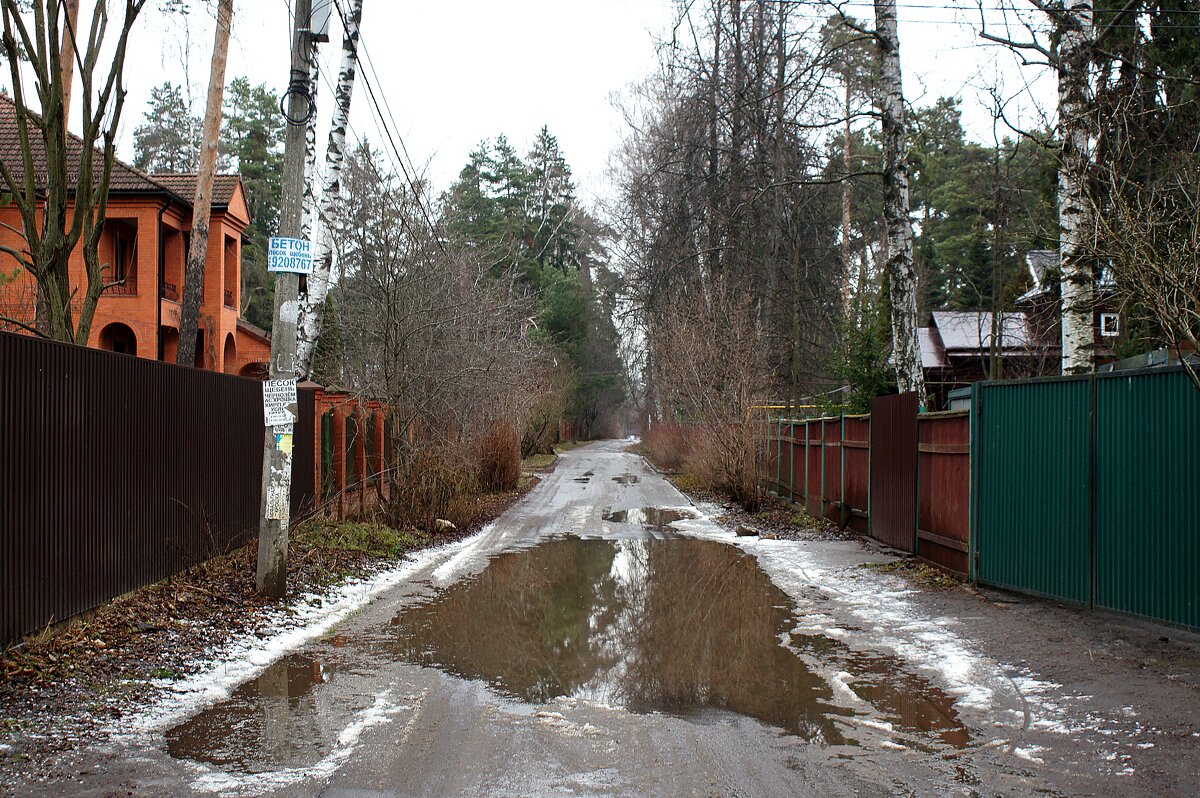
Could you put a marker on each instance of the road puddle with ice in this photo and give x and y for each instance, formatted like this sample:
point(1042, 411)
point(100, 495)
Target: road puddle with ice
point(678, 626)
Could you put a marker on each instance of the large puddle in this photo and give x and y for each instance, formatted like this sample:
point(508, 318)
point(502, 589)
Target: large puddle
point(679, 626)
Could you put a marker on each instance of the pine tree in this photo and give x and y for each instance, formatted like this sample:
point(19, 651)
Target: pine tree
point(168, 140)
point(252, 137)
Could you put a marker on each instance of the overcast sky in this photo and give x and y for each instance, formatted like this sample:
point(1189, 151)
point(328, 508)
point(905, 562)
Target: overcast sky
point(454, 73)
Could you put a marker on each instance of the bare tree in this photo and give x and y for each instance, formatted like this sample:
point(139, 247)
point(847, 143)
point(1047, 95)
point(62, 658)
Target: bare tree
point(197, 257)
point(60, 185)
point(1150, 236)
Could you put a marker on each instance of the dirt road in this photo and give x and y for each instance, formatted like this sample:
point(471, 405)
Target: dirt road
point(607, 638)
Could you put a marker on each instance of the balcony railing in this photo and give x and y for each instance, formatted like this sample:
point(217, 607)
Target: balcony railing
point(169, 291)
point(126, 288)
point(228, 299)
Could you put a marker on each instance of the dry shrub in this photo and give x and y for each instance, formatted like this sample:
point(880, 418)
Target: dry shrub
point(724, 460)
point(669, 445)
point(499, 458)
point(432, 484)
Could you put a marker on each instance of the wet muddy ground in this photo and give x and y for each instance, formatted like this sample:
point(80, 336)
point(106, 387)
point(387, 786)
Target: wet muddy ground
point(606, 638)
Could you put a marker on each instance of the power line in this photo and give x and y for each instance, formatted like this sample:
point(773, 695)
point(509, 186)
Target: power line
point(394, 156)
point(406, 170)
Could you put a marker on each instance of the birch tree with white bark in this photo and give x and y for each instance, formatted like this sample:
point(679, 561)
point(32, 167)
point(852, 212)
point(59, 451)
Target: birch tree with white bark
point(311, 310)
point(902, 275)
point(1077, 280)
point(1070, 54)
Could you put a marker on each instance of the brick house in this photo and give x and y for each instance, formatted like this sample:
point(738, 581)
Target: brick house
point(144, 244)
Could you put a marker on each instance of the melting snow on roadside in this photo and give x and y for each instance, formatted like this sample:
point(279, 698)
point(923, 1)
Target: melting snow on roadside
point(889, 621)
point(310, 617)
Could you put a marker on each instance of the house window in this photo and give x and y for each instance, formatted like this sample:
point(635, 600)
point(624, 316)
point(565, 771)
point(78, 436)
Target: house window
point(122, 264)
point(1110, 325)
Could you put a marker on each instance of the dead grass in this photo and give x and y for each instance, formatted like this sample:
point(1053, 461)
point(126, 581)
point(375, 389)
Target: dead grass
point(921, 574)
point(499, 456)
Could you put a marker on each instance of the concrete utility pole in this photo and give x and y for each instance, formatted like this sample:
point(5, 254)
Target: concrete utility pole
point(197, 256)
point(277, 445)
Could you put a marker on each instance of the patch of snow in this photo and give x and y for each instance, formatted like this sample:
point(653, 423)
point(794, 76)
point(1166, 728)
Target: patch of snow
point(1029, 754)
point(215, 781)
point(245, 657)
point(882, 604)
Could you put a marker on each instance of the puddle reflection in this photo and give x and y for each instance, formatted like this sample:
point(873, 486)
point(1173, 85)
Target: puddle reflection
point(680, 626)
point(267, 722)
point(655, 519)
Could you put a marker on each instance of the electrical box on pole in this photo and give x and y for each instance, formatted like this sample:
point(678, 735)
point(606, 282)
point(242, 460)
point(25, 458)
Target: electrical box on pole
point(320, 15)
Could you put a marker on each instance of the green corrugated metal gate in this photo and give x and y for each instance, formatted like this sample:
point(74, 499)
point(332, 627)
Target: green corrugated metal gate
point(1147, 482)
point(1085, 491)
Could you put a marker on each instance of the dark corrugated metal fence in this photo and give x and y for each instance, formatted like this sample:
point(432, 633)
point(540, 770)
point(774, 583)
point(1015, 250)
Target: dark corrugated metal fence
point(116, 472)
point(1147, 479)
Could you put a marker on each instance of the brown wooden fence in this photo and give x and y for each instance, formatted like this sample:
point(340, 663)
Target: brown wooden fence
point(856, 472)
point(900, 477)
point(894, 471)
point(115, 472)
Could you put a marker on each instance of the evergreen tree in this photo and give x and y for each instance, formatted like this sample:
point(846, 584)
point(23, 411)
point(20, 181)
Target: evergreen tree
point(168, 140)
point(521, 217)
point(252, 137)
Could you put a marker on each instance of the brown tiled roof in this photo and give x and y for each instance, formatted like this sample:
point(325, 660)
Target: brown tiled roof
point(185, 186)
point(257, 332)
point(124, 177)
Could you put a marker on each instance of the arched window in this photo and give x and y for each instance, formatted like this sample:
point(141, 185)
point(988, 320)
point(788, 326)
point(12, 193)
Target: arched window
point(230, 356)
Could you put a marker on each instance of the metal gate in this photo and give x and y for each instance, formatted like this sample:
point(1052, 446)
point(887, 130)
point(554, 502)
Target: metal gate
point(894, 470)
point(1085, 490)
point(1033, 504)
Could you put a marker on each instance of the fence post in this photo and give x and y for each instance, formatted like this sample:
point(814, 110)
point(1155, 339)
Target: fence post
point(804, 425)
point(869, 487)
point(1092, 445)
point(843, 516)
point(976, 455)
point(779, 456)
point(339, 458)
point(821, 495)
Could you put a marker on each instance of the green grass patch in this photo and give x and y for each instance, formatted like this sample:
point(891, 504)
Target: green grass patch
point(538, 462)
point(371, 538)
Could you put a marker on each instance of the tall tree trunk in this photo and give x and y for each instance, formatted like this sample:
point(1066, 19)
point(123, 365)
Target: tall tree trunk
point(848, 165)
point(999, 223)
point(67, 53)
point(1077, 281)
point(311, 220)
point(308, 326)
point(906, 349)
point(193, 281)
